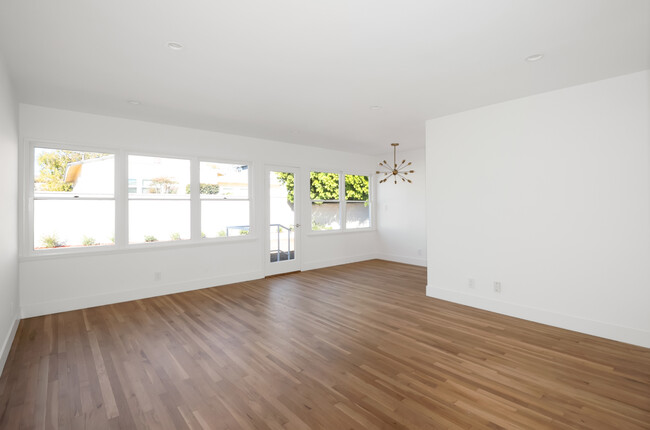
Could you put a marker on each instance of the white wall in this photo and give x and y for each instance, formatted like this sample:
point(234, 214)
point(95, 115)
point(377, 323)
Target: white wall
point(401, 220)
point(56, 283)
point(8, 215)
point(550, 195)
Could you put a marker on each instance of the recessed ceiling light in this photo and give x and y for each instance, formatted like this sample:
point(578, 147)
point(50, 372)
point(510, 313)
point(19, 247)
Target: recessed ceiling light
point(134, 102)
point(175, 46)
point(534, 57)
point(376, 107)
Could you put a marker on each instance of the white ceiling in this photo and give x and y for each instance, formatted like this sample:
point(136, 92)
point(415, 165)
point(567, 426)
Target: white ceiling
point(307, 72)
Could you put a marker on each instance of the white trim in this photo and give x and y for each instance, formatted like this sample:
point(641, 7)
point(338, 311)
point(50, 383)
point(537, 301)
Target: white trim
point(569, 322)
point(75, 303)
point(316, 233)
point(415, 261)
point(312, 265)
point(8, 341)
point(135, 248)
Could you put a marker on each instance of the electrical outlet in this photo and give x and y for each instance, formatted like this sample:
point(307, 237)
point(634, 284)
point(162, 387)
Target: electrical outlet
point(157, 276)
point(471, 283)
point(497, 286)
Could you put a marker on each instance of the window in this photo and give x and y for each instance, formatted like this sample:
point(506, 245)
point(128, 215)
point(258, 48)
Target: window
point(329, 206)
point(357, 202)
point(74, 199)
point(325, 204)
point(225, 205)
point(159, 209)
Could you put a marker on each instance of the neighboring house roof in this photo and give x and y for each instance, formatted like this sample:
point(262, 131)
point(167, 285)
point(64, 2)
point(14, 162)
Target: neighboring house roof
point(73, 170)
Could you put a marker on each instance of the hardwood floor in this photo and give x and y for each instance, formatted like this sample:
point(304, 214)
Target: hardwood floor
point(354, 346)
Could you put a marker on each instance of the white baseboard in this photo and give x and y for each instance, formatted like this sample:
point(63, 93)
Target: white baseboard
point(416, 261)
point(596, 328)
point(71, 304)
point(6, 345)
point(337, 261)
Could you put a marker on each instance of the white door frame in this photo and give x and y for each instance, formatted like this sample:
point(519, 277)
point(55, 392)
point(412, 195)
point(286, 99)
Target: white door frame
point(278, 267)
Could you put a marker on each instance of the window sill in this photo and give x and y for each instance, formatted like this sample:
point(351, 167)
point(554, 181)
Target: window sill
point(315, 233)
point(55, 254)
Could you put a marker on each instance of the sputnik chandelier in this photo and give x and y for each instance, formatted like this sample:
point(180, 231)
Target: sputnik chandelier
point(395, 171)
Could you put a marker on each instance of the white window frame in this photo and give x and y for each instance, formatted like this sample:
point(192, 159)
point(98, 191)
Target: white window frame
point(28, 245)
point(140, 197)
point(196, 184)
point(121, 199)
point(344, 219)
point(342, 201)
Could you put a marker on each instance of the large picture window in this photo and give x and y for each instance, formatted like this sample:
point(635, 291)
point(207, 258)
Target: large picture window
point(74, 199)
point(159, 199)
point(225, 205)
point(73, 202)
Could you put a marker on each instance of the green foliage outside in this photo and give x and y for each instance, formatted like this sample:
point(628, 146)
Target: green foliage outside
point(205, 188)
point(317, 227)
point(287, 179)
point(221, 233)
point(356, 188)
point(88, 241)
point(51, 241)
point(175, 236)
point(52, 165)
point(149, 238)
point(325, 186)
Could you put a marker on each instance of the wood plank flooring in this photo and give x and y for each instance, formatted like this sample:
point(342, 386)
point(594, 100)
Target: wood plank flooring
point(353, 346)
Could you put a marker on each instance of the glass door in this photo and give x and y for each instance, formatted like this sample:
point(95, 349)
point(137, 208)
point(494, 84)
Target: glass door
point(282, 238)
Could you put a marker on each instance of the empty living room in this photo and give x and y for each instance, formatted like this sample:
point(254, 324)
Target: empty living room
point(290, 214)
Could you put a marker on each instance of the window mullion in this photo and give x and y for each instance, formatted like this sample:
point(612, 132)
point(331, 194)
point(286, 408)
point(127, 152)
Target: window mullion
point(195, 200)
point(343, 208)
point(121, 200)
